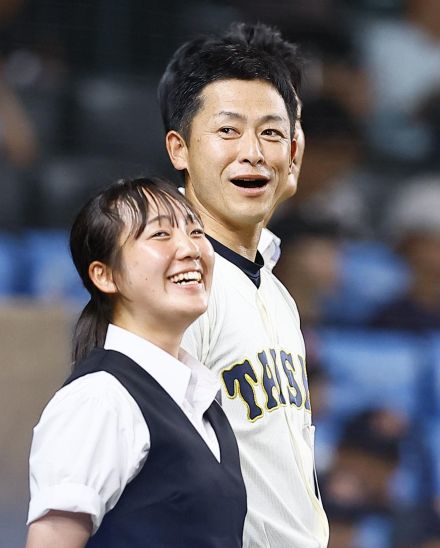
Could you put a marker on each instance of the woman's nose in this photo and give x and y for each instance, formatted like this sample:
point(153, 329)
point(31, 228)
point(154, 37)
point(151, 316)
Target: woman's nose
point(187, 247)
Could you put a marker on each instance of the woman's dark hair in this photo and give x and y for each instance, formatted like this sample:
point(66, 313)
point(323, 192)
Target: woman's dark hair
point(96, 236)
point(244, 52)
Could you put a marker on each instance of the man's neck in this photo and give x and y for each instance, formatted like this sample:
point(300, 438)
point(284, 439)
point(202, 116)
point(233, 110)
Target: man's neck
point(242, 242)
point(251, 269)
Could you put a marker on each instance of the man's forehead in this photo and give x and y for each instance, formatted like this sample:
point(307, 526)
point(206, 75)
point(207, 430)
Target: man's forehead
point(234, 97)
point(231, 83)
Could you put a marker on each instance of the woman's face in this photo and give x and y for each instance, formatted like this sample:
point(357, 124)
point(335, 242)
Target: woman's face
point(165, 274)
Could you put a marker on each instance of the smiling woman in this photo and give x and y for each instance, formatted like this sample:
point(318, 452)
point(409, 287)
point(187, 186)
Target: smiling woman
point(126, 244)
point(134, 449)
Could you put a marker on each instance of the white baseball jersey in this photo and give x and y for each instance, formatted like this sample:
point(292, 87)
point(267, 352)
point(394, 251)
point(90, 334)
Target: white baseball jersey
point(251, 338)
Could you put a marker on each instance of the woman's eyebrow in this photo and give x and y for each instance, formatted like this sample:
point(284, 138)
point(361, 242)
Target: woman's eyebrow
point(159, 219)
point(190, 218)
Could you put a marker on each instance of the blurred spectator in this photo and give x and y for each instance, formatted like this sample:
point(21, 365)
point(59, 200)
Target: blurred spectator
point(288, 14)
point(309, 268)
point(420, 529)
point(414, 227)
point(357, 485)
point(333, 186)
point(8, 9)
point(367, 456)
point(343, 529)
point(429, 538)
point(344, 523)
point(309, 263)
point(18, 141)
point(402, 57)
point(332, 69)
point(319, 385)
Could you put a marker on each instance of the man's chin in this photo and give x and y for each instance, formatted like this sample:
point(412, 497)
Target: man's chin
point(247, 220)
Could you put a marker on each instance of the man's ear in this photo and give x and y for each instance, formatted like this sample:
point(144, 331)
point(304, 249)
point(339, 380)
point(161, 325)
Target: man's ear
point(293, 149)
point(102, 277)
point(177, 150)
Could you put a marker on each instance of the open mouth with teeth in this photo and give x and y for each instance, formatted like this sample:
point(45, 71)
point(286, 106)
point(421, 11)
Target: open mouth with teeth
point(187, 278)
point(249, 183)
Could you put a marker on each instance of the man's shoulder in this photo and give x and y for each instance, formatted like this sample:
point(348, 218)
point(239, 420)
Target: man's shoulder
point(274, 286)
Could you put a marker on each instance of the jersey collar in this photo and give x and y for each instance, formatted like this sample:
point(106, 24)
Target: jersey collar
point(249, 268)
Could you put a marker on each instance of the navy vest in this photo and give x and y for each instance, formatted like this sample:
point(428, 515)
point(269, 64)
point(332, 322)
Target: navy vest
point(182, 497)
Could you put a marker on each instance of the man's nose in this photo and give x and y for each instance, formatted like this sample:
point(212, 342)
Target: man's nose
point(250, 149)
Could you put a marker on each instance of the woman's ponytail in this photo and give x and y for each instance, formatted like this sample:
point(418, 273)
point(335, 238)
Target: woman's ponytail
point(91, 328)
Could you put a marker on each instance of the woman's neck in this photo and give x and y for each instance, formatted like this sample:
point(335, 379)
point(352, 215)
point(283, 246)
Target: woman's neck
point(167, 339)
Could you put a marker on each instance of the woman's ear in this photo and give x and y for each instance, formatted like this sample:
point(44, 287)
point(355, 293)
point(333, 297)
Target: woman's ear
point(102, 277)
point(177, 150)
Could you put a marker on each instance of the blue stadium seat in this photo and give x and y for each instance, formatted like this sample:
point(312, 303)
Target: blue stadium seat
point(10, 271)
point(372, 275)
point(433, 377)
point(374, 531)
point(51, 273)
point(371, 369)
point(376, 369)
point(430, 422)
point(430, 430)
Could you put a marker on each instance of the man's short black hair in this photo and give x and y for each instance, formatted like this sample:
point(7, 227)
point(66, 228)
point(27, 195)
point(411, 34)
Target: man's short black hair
point(244, 52)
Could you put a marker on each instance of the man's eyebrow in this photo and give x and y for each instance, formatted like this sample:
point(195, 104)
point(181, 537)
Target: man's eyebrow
point(273, 118)
point(230, 114)
point(263, 120)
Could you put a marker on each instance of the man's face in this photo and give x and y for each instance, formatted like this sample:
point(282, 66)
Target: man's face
point(238, 154)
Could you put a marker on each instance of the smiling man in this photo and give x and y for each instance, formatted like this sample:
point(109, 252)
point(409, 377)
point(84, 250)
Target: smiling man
point(229, 106)
point(243, 130)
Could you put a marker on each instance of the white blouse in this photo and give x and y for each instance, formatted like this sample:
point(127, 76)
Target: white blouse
point(92, 439)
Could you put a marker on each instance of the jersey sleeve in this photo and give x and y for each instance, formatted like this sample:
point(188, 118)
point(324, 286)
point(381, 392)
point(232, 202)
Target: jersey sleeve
point(90, 442)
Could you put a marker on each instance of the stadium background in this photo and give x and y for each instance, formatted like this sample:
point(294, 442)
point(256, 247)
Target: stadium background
point(361, 251)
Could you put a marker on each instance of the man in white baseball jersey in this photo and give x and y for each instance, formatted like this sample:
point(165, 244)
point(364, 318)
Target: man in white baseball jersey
point(229, 106)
